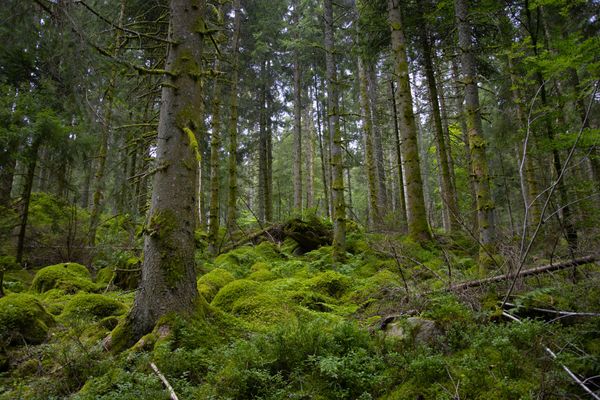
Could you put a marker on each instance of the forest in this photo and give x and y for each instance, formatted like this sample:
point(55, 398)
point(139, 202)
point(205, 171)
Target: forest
point(299, 199)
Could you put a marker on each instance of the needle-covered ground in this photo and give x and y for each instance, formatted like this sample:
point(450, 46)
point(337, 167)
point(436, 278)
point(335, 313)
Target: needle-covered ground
point(282, 325)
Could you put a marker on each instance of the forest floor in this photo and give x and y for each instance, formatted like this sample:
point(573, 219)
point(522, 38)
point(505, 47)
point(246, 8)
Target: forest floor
point(279, 324)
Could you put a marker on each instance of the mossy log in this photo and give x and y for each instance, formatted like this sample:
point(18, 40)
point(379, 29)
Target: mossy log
point(309, 235)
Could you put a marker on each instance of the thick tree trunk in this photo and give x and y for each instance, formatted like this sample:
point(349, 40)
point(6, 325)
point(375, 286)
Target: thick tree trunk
point(269, 141)
point(448, 197)
point(324, 157)
point(168, 282)
point(401, 198)
point(374, 217)
point(233, 125)
point(335, 134)
point(309, 159)
point(262, 146)
point(415, 203)
point(485, 203)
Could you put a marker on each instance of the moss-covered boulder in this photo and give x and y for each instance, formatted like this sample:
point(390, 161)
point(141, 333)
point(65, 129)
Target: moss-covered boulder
point(23, 319)
point(229, 294)
point(70, 277)
point(209, 284)
point(92, 306)
point(330, 283)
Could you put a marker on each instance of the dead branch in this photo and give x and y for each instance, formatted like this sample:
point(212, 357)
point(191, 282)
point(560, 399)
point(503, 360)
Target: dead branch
point(164, 381)
point(527, 272)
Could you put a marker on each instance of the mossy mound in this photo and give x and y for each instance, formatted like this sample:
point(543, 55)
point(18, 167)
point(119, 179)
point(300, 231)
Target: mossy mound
point(235, 290)
point(330, 283)
point(92, 306)
point(70, 277)
point(23, 319)
point(105, 276)
point(209, 284)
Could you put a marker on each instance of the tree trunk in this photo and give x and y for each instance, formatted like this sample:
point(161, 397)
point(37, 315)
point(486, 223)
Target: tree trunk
point(215, 147)
point(32, 158)
point(415, 203)
point(297, 168)
point(374, 217)
point(309, 159)
point(323, 156)
point(7, 171)
point(448, 198)
point(382, 194)
point(485, 203)
point(233, 121)
point(262, 146)
point(168, 282)
point(335, 134)
point(401, 199)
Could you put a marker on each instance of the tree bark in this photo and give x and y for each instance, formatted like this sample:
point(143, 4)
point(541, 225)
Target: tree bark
point(335, 134)
point(297, 168)
point(401, 199)
point(477, 145)
point(215, 147)
point(415, 203)
point(382, 193)
point(168, 282)
point(323, 155)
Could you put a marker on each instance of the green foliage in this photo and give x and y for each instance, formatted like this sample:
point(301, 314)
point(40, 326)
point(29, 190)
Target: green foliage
point(23, 319)
point(70, 277)
point(210, 283)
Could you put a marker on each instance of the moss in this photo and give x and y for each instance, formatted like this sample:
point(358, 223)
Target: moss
point(23, 319)
point(105, 276)
point(239, 261)
point(193, 143)
point(92, 306)
point(70, 277)
point(376, 286)
point(262, 276)
point(231, 292)
point(210, 283)
point(331, 283)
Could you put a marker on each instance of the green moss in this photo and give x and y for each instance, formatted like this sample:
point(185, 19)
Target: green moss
point(23, 319)
point(70, 277)
point(193, 143)
point(239, 261)
point(105, 276)
point(262, 276)
point(92, 306)
point(209, 284)
point(330, 283)
point(233, 291)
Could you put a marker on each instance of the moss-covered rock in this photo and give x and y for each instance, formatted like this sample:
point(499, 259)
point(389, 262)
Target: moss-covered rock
point(70, 277)
point(233, 291)
point(330, 283)
point(92, 306)
point(209, 284)
point(23, 319)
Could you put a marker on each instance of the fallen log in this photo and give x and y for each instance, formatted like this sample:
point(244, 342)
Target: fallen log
point(527, 272)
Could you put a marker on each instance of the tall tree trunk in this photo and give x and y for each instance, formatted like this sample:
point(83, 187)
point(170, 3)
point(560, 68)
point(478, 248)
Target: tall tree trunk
point(401, 199)
point(459, 95)
point(32, 159)
point(7, 171)
point(448, 198)
point(215, 148)
point(297, 168)
point(168, 282)
point(335, 134)
point(269, 141)
point(309, 159)
point(382, 194)
point(477, 145)
point(323, 155)
point(415, 203)
point(233, 126)
point(99, 176)
point(374, 218)
point(262, 145)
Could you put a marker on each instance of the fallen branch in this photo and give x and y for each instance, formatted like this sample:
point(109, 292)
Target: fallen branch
point(165, 382)
point(558, 313)
point(564, 367)
point(528, 272)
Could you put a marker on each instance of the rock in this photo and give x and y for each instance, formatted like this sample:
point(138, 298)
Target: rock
point(70, 277)
point(417, 329)
point(23, 319)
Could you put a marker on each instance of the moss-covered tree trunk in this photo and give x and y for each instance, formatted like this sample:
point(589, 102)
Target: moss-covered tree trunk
point(335, 134)
point(323, 154)
point(262, 145)
point(168, 282)
point(233, 123)
point(485, 204)
point(374, 216)
point(215, 147)
point(309, 159)
point(401, 198)
point(447, 190)
point(415, 203)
